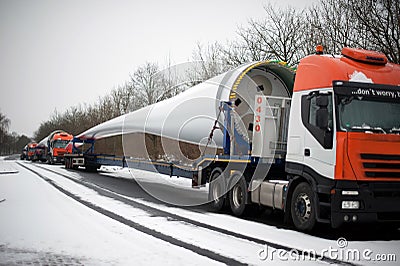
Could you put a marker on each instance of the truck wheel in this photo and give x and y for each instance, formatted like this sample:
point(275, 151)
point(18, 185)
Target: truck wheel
point(303, 207)
point(217, 190)
point(50, 159)
point(67, 163)
point(238, 197)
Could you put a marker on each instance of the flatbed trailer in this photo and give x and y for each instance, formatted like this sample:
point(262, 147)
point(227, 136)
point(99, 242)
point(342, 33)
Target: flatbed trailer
point(198, 173)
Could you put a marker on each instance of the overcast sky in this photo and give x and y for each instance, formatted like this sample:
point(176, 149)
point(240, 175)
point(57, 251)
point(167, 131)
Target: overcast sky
point(56, 54)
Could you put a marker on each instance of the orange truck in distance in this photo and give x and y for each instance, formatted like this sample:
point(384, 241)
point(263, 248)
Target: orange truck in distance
point(31, 150)
point(56, 146)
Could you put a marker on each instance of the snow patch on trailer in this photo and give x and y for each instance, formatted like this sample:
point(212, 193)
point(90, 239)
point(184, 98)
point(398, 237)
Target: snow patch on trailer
point(146, 176)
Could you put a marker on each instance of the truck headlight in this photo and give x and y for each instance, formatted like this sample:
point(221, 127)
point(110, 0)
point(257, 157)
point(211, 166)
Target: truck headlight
point(350, 204)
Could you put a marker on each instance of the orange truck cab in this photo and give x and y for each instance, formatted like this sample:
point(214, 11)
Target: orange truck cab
point(56, 146)
point(344, 139)
point(31, 150)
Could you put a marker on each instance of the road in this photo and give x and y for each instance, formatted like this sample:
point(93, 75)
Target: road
point(218, 237)
point(126, 185)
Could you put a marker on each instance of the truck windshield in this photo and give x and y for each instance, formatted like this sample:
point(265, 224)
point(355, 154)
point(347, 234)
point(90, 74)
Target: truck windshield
point(365, 107)
point(60, 143)
point(365, 115)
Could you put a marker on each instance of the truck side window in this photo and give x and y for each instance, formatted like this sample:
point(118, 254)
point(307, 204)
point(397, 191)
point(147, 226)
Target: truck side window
point(317, 117)
point(312, 119)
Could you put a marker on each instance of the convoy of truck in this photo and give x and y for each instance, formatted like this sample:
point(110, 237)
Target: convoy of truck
point(51, 149)
point(320, 143)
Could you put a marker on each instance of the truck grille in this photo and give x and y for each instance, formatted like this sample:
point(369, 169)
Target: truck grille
point(381, 165)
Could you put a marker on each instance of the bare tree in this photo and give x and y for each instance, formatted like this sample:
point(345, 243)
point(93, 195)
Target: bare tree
point(123, 98)
point(145, 79)
point(153, 85)
point(332, 24)
point(4, 124)
point(209, 61)
point(236, 52)
point(278, 37)
point(381, 21)
point(367, 24)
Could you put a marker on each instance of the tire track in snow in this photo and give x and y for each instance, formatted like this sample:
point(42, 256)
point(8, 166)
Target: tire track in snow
point(157, 212)
point(134, 225)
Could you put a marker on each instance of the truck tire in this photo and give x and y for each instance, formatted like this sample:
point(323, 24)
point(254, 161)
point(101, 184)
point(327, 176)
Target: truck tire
point(67, 163)
point(49, 159)
point(238, 197)
point(302, 207)
point(216, 190)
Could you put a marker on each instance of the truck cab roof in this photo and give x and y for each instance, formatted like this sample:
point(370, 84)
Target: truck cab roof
point(318, 71)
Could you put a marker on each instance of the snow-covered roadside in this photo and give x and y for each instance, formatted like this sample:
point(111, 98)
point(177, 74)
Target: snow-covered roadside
point(7, 167)
point(38, 219)
point(239, 249)
point(246, 251)
point(265, 232)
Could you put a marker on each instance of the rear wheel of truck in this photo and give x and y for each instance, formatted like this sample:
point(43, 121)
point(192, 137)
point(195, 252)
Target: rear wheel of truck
point(50, 159)
point(217, 189)
point(67, 163)
point(238, 197)
point(303, 208)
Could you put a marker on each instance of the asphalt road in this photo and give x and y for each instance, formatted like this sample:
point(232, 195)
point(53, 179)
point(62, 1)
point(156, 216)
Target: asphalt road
point(130, 188)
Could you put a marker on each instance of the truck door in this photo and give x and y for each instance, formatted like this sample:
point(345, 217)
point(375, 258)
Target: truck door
point(318, 118)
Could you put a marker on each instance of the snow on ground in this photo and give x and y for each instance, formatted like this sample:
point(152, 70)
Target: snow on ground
point(140, 175)
point(7, 167)
point(38, 222)
point(284, 237)
point(62, 226)
point(243, 250)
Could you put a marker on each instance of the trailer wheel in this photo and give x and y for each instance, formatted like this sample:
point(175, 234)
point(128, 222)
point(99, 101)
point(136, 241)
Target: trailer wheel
point(217, 190)
point(238, 197)
point(303, 207)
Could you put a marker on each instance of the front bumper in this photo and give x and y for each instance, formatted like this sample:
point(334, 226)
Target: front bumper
point(58, 159)
point(379, 202)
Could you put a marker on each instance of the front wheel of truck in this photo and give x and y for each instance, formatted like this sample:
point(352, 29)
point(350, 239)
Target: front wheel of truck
point(303, 207)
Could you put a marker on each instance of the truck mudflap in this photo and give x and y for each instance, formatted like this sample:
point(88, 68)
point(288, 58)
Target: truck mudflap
point(370, 202)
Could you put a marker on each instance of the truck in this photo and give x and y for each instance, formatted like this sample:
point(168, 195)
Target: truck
point(55, 145)
point(40, 153)
point(320, 143)
point(30, 150)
